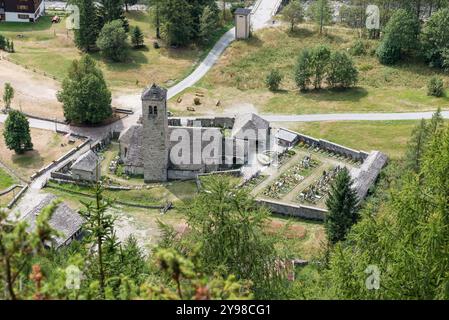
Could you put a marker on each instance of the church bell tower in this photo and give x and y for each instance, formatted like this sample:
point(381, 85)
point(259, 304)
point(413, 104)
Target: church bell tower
point(155, 134)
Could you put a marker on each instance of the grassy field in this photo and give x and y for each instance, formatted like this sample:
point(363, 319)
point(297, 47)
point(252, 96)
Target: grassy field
point(390, 137)
point(156, 194)
point(238, 78)
point(49, 48)
point(5, 179)
point(48, 146)
point(304, 238)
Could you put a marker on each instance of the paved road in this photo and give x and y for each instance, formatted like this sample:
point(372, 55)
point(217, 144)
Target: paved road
point(353, 117)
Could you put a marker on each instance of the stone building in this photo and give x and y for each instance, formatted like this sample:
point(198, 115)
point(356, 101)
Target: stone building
point(86, 167)
point(64, 220)
point(149, 148)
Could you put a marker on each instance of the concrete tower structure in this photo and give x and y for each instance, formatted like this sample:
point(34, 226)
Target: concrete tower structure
point(155, 134)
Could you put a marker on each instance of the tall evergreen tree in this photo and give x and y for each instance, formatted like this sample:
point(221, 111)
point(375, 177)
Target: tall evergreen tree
point(84, 94)
point(17, 132)
point(342, 208)
point(111, 10)
point(435, 39)
point(100, 226)
point(176, 21)
point(400, 37)
point(137, 38)
point(209, 22)
point(89, 29)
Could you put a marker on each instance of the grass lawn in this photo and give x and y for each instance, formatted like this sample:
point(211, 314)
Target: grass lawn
point(49, 48)
point(238, 78)
point(47, 146)
point(304, 238)
point(5, 179)
point(156, 194)
point(390, 137)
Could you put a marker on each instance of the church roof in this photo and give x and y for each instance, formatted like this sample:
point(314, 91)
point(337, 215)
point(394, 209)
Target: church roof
point(87, 162)
point(249, 121)
point(154, 93)
point(64, 220)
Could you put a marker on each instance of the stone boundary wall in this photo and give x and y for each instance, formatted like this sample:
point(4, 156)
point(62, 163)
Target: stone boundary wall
point(17, 197)
point(217, 122)
point(11, 188)
point(58, 161)
point(299, 211)
point(32, 116)
point(331, 146)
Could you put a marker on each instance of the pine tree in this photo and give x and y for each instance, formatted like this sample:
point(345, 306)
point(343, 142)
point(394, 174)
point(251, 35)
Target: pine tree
point(17, 132)
point(137, 38)
point(209, 22)
point(100, 226)
point(176, 21)
point(89, 29)
point(342, 208)
point(84, 94)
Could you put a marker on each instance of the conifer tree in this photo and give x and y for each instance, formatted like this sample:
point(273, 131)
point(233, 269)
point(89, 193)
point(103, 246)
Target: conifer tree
point(137, 39)
point(342, 208)
point(89, 28)
point(100, 226)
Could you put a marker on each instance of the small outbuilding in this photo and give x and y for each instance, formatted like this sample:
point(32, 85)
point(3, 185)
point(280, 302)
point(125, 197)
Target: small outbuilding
point(242, 23)
point(64, 220)
point(86, 167)
point(286, 138)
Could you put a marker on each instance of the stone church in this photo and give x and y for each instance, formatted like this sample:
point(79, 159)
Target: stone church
point(145, 148)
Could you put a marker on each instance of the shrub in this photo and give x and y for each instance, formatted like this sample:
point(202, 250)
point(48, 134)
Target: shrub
point(112, 41)
point(342, 72)
point(273, 80)
point(435, 87)
point(435, 38)
point(388, 53)
point(358, 48)
point(303, 70)
point(401, 35)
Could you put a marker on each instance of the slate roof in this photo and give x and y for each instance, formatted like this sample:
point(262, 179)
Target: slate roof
point(242, 11)
point(87, 162)
point(249, 121)
point(286, 135)
point(64, 220)
point(154, 93)
point(132, 139)
point(365, 176)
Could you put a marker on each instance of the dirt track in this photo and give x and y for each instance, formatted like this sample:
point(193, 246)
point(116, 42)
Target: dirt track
point(34, 93)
